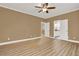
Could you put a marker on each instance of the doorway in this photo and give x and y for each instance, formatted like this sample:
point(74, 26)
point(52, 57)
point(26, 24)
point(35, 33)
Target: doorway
point(61, 29)
point(45, 29)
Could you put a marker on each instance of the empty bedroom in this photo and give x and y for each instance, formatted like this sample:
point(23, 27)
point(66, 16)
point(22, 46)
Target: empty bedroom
point(39, 29)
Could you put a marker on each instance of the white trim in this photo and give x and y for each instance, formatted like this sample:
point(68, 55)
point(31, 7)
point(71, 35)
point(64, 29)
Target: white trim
point(67, 40)
point(16, 41)
point(51, 37)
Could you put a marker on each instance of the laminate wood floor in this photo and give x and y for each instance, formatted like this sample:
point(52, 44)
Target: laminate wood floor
point(41, 47)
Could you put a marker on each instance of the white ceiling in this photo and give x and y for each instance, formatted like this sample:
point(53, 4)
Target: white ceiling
point(28, 8)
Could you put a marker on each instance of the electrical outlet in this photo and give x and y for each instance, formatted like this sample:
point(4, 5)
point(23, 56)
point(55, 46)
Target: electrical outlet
point(8, 38)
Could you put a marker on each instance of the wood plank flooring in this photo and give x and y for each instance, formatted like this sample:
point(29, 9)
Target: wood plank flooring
point(41, 47)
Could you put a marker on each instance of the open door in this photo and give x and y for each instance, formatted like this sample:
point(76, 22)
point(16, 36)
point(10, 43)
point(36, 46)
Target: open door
point(45, 29)
point(61, 29)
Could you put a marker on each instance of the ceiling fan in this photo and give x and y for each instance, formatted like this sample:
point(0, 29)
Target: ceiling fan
point(44, 7)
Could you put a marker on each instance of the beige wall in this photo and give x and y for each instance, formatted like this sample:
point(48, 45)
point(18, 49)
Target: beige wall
point(73, 24)
point(16, 25)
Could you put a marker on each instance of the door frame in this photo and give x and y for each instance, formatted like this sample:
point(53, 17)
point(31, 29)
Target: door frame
point(43, 28)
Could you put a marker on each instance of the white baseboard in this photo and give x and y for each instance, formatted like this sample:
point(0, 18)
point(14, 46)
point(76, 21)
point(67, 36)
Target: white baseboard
point(16, 41)
point(51, 37)
point(67, 40)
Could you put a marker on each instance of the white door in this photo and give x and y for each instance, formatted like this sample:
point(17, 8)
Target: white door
point(61, 29)
point(45, 27)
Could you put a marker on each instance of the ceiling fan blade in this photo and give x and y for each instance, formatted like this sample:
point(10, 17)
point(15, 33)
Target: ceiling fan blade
point(51, 7)
point(40, 11)
point(47, 11)
point(46, 4)
point(43, 5)
point(38, 7)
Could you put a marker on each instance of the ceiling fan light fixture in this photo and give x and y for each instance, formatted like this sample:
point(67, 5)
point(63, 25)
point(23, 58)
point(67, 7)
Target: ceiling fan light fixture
point(44, 9)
